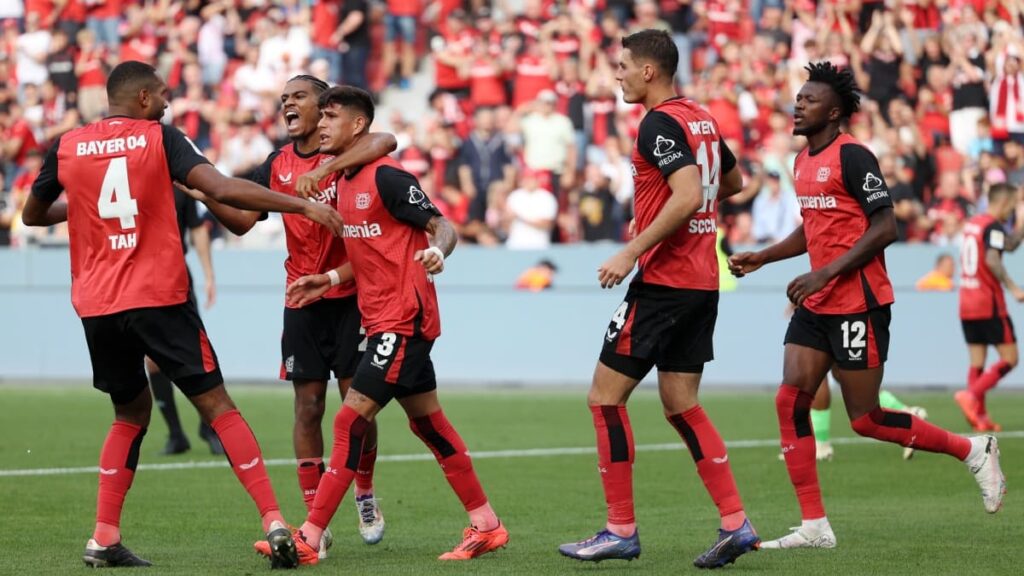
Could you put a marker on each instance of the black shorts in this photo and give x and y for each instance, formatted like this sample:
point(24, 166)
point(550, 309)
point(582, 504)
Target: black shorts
point(855, 341)
point(323, 337)
point(992, 331)
point(172, 336)
point(671, 328)
point(395, 366)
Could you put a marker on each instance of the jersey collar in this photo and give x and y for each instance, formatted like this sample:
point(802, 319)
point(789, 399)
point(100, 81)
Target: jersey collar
point(826, 145)
point(295, 149)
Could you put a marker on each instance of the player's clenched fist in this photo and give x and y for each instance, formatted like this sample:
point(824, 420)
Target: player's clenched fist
point(743, 263)
point(326, 216)
point(308, 185)
point(432, 259)
point(615, 269)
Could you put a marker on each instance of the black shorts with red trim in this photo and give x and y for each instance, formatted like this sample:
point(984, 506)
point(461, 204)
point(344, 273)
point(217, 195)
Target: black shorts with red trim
point(395, 366)
point(671, 328)
point(323, 337)
point(855, 341)
point(172, 336)
point(990, 331)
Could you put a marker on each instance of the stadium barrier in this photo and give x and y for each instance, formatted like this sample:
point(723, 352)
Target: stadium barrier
point(494, 334)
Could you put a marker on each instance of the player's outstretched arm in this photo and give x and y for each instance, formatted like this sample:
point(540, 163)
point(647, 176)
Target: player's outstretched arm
point(743, 263)
point(237, 221)
point(994, 260)
point(880, 233)
point(309, 289)
point(368, 148)
point(251, 196)
point(687, 197)
point(443, 242)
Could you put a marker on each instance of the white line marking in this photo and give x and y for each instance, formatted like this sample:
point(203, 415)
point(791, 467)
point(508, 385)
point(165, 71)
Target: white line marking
point(426, 456)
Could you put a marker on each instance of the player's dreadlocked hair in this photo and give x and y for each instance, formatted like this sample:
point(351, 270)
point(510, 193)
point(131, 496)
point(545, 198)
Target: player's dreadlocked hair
point(841, 81)
point(319, 86)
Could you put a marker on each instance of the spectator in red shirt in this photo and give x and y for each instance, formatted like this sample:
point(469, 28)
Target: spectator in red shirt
point(16, 138)
point(92, 79)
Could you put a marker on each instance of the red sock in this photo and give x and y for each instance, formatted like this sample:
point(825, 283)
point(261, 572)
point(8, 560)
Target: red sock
point(364, 472)
point(450, 451)
point(615, 458)
point(987, 380)
point(972, 374)
point(349, 433)
point(906, 429)
point(243, 453)
point(309, 471)
point(712, 461)
point(118, 459)
point(793, 407)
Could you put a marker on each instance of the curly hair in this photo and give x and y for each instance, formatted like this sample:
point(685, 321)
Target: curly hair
point(841, 81)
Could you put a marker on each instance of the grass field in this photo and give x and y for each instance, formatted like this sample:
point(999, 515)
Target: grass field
point(890, 516)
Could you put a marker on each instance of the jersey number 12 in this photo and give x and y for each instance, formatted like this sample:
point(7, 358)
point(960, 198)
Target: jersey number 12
point(710, 178)
point(115, 195)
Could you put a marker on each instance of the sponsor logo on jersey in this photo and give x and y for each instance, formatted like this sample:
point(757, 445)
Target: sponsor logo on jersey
point(326, 196)
point(285, 178)
point(364, 230)
point(823, 173)
point(874, 187)
point(363, 200)
point(820, 202)
point(663, 146)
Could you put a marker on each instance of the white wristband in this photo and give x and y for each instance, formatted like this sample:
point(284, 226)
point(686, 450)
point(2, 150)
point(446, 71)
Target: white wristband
point(333, 275)
point(437, 251)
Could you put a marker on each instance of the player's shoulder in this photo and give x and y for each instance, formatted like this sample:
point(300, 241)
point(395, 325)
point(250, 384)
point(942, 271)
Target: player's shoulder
point(387, 167)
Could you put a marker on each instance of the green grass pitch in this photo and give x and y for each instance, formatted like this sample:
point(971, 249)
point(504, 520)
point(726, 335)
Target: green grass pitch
point(890, 516)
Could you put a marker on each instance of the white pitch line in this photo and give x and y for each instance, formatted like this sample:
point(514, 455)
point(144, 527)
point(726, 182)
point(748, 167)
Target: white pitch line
point(490, 454)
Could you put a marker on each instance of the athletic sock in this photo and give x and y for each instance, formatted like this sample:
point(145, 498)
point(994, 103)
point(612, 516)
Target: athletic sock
point(364, 472)
point(349, 433)
point(821, 421)
point(793, 408)
point(309, 471)
point(163, 393)
point(889, 401)
point(615, 458)
point(450, 451)
point(243, 454)
point(712, 460)
point(118, 459)
point(908, 430)
point(988, 380)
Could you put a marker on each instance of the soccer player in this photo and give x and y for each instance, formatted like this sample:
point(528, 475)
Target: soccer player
point(130, 287)
point(325, 335)
point(983, 314)
point(163, 389)
point(681, 167)
point(842, 317)
point(388, 222)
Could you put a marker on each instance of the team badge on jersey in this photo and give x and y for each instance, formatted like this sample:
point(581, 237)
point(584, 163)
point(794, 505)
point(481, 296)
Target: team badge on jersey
point(823, 173)
point(363, 200)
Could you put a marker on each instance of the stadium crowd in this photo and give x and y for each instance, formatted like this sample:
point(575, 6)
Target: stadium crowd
point(526, 140)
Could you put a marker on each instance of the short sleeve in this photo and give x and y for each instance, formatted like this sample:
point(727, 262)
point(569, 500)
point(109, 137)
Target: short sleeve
point(402, 196)
point(47, 187)
point(261, 174)
point(662, 143)
point(995, 237)
point(182, 154)
point(863, 178)
point(728, 158)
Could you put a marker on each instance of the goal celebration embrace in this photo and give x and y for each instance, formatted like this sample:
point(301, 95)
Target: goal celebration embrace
point(746, 205)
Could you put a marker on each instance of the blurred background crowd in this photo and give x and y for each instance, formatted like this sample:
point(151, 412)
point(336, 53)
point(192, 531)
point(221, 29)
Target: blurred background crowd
point(508, 110)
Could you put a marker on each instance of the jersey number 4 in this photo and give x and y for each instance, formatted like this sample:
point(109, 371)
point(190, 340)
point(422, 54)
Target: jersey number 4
point(115, 195)
point(710, 177)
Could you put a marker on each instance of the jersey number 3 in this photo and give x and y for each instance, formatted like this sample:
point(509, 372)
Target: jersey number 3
point(115, 196)
point(710, 178)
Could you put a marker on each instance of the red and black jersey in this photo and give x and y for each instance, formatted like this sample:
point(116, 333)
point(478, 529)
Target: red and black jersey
point(126, 251)
point(675, 134)
point(838, 188)
point(386, 213)
point(312, 249)
point(981, 294)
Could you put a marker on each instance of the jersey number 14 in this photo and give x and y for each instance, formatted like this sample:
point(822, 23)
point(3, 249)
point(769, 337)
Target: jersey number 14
point(115, 195)
point(710, 177)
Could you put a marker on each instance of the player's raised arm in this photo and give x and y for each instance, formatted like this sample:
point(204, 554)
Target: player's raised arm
point(42, 207)
point(368, 148)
